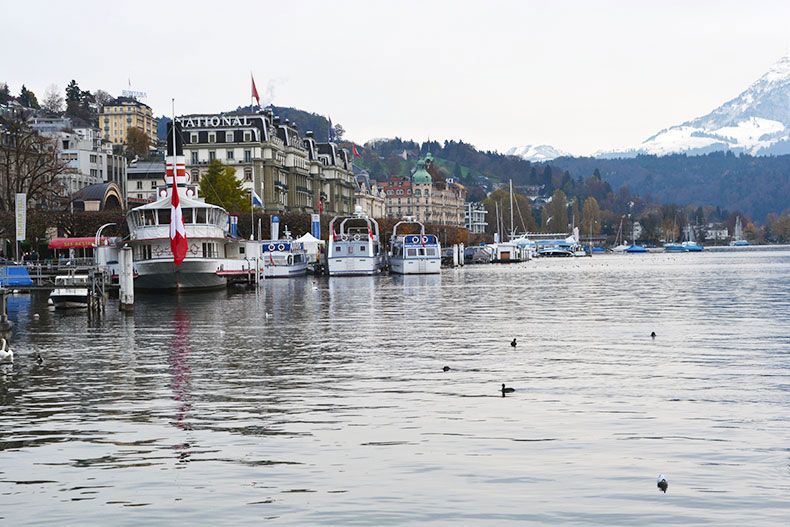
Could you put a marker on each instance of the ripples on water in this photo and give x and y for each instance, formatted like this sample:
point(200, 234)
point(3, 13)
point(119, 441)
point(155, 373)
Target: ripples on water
point(334, 409)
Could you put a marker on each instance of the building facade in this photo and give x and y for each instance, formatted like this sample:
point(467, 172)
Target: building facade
point(89, 159)
point(143, 181)
point(287, 171)
point(475, 218)
point(439, 202)
point(368, 195)
point(123, 113)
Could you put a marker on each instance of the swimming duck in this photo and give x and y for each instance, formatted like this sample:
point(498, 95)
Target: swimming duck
point(653, 334)
point(446, 368)
point(513, 343)
point(39, 360)
point(6, 355)
point(507, 390)
point(662, 483)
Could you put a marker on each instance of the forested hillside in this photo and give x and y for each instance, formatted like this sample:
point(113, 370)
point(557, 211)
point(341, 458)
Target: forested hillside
point(754, 185)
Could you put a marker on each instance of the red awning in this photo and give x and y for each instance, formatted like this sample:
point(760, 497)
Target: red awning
point(73, 243)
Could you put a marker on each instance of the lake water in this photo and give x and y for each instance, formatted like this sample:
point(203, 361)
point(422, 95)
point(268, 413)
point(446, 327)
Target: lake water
point(323, 401)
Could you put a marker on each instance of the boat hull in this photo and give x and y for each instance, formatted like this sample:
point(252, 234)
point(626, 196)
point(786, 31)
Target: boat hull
point(190, 275)
point(285, 271)
point(415, 265)
point(69, 301)
point(353, 265)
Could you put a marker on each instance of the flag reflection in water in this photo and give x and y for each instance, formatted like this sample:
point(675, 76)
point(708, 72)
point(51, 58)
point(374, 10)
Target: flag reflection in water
point(179, 369)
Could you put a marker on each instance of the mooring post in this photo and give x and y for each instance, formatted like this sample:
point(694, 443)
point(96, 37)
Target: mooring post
point(5, 324)
point(126, 280)
point(461, 254)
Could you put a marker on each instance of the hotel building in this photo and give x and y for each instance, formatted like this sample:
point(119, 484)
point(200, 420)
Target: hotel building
point(288, 172)
point(123, 113)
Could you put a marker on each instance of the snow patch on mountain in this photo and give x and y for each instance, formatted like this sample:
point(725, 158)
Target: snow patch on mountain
point(536, 153)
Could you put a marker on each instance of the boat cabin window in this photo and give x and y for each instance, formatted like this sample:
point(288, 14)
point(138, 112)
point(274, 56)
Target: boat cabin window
point(362, 248)
point(164, 216)
point(431, 251)
point(148, 217)
point(200, 215)
point(187, 215)
point(411, 252)
point(337, 248)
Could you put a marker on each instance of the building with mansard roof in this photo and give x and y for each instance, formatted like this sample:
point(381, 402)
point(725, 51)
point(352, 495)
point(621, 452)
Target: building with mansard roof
point(287, 171)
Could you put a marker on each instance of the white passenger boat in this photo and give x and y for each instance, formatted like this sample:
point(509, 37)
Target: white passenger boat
point(354, 247)
point(213, 253)
point(284, 258)
point(71, 290)
point(414, 253)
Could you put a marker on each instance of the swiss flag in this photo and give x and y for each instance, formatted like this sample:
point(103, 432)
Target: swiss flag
point(355, 150)
point(178, 236)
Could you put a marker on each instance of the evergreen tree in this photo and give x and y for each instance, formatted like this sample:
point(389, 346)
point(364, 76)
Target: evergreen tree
point(5, 93)
point(220, 186)
point(73, 92)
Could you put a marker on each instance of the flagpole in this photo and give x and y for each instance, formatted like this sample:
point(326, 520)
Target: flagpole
point(173, 101)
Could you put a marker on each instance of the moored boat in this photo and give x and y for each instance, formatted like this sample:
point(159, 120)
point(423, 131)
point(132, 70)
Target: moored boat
point(71, 291)
point(354, 247)
point(284, 258)
point(414, 253)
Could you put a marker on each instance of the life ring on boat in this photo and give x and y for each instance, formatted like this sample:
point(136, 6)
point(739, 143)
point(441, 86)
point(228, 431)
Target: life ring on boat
point(344, 237)
point(281, 247)
point(424, 239)
point(356, 237)
point(271, 246)
point(415, 239)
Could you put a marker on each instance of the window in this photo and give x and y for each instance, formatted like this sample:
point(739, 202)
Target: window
point(164, 216)
point(194, 158)
point(411, 252)
point(247, 137)
point(153, 185)
point(350, 249)
point(212, 137)
point(229, 154)
point(195, 174)
point(431, 251)
point(200, 215)
point(228, 137)
point(337, 248)
point(247, 156)
point(139, 185)
point(193, 138)
point(362, 248)
point(247, 174)
point(212, 155)
point(186, 214)
point(65, 144)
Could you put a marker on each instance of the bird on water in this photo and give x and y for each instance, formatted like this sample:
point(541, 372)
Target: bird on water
point(513, 343)
point(39, 360)
point(662, 483)
point(507, 390)
point(6, 355)
point(653, 334)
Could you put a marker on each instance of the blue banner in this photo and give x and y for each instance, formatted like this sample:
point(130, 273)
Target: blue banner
point(316, 226)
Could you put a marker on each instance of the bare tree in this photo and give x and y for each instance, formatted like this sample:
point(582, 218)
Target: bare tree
point(53, 100)
point(339, 132)
point(29, 163)
point(101, 98)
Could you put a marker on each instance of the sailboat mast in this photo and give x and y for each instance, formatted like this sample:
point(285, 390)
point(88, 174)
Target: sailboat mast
point(511, 210)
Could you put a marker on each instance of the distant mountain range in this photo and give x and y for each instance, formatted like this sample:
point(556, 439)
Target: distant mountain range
point(756, 122)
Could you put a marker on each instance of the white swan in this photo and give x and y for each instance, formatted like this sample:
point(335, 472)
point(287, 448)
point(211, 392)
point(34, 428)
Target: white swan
point(6, 355)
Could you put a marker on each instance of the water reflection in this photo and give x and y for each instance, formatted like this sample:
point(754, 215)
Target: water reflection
point(336, 409)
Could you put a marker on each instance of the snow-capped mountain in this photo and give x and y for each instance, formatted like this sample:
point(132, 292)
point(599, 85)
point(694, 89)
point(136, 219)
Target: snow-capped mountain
point(536, 152)
point(756, 122)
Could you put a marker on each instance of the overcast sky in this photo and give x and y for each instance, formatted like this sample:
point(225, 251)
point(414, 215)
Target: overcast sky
point(579, 75)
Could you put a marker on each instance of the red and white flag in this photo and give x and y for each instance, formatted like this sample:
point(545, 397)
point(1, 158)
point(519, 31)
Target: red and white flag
point(370, 232)
point(334, 236)
point(355, 150)
point(178, 236)
point(254, 93)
